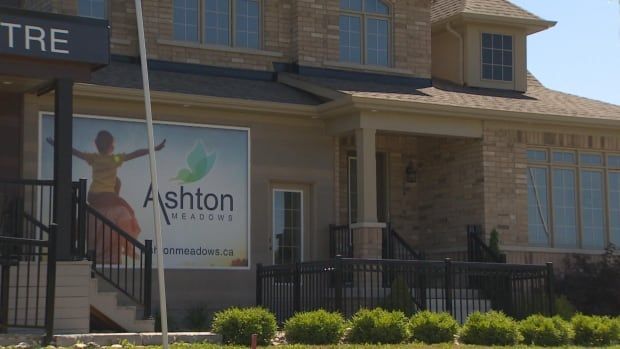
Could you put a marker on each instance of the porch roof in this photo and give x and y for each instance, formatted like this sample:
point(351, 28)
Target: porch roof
point(538, 100)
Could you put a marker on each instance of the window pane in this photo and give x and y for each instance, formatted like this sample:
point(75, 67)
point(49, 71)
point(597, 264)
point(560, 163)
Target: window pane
point(216, 26)
point(507, 42)
point(287, 226)
point(613, 161)
point(564, 208)
point(376, 6)
point(377, 41)
point(537, 207)
point(487, 56)
point(350, 39)
point(507, 74)
point(487, 71)
point(567, 157)
point(591, 159)
point(185, 20)
point(592, 209)
point(355, 5)
point(352, 190)
point(247, 24)
point(487, 41)
point(92, 8)
point(536, 155)
point(614, 207)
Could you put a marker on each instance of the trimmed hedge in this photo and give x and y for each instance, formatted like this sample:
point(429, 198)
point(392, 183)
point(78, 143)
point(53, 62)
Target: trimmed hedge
point(378, 326)
point(595, 330)
point(237, 325)
point(431, 328)
point(315, 327)
point(492, 328)
point(544, 331)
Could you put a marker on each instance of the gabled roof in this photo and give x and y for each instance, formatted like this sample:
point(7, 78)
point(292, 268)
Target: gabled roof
point(443, 9)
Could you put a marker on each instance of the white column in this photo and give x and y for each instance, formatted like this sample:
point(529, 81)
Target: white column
point(366, 175)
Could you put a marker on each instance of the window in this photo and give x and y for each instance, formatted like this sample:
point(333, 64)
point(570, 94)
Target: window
point(584, 198)
point(287, 226)
point(92, 8)
point(538, 206)
point(364, 32)
point(218, 22)
point(564, 207)
point(497, 57)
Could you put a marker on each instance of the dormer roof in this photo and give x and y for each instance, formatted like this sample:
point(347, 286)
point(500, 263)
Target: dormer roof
point(497, 11)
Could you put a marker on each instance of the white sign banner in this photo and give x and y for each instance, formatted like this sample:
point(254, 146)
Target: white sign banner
point(204, 185)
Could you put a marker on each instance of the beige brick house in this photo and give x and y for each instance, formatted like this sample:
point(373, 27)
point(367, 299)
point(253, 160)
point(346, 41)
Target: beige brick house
point(417, 113)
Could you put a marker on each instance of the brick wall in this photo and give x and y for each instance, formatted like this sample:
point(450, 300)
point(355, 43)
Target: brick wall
point(304, 31)
point(451, 190)
point(433, 212)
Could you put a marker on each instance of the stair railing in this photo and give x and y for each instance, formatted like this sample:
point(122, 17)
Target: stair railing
point(395, 247)
point(116, 256)
point(478, 250)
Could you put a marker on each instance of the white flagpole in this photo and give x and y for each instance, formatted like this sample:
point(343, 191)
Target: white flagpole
point(154, 183)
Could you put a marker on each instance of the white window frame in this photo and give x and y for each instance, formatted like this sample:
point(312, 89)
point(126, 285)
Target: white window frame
point(273, 222)
point(363, 15)
point(512, 53)
point(202, 20)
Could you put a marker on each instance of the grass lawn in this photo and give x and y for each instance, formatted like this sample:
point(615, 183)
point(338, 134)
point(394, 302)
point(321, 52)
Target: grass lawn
point(353, 346)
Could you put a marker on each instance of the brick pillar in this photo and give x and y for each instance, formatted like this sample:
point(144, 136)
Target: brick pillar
point(367, 239)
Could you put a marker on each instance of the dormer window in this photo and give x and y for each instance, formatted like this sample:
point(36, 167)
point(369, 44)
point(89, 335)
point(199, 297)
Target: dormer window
point(364, 32)
point(497, 57)
point(218, 22)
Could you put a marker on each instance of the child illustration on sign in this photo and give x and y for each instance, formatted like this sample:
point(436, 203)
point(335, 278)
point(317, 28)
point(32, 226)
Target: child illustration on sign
point(103, 196)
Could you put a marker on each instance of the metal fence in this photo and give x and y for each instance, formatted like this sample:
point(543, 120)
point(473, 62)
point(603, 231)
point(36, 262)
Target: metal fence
point(27, 282)
point(460, 288)
point(478, 250)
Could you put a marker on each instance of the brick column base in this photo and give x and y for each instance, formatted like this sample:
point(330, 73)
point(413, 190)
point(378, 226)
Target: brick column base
point(367, 241)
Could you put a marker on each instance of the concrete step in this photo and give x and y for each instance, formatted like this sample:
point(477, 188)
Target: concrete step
point(108, 303)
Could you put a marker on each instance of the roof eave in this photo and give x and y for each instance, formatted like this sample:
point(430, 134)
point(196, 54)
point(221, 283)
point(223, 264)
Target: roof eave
point(531, 25)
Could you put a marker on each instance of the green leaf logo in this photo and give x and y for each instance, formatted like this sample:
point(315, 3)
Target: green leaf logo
point(198, 165)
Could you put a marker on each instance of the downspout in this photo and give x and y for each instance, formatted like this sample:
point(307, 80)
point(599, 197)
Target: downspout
point(461, 52)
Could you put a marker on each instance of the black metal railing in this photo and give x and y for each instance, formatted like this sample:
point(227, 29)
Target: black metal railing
point(23, 204)
point(118, 258)
point(340, 241)
point(460, 288)
point(395, 247)
point(478, 250)
point(27, 282)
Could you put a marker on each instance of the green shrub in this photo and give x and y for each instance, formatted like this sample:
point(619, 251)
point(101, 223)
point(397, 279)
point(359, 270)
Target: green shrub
point(315, 327)
point(433, 328)
point(595, 330)
point(564, 308)
point(378, 326)
point(399, 297)
point(237, 325)
point(545, 331)
point(492, 328)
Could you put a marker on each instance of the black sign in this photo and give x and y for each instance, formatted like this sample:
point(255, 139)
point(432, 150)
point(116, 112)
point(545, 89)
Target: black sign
point(51, 36)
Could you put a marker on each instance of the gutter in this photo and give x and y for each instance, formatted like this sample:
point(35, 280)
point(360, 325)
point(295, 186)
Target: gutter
point(461, 53)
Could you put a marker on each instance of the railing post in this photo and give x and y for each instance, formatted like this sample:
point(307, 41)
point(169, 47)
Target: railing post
point(448, 284)
point(4, 293)
point(148, 278)
point(296, 288)
point(550, 289)
point(259, 284)
point(339, 284)
point(82, 218)
point(50, 287)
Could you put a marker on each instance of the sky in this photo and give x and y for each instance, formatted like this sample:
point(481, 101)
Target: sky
point(581, 54)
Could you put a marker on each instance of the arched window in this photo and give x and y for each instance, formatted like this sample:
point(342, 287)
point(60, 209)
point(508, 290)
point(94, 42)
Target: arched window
point(218, 22)
point(365, 32)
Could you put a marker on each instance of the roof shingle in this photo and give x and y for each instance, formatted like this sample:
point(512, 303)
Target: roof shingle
point(537, 100)
point(442, 9)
